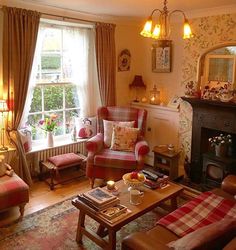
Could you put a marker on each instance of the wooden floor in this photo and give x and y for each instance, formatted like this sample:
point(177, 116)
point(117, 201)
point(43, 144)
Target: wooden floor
point(41, 197)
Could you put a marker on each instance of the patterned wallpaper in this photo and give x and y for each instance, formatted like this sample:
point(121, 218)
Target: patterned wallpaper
point(208, 32)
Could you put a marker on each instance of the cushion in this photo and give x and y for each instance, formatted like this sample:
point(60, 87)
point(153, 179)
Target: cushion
point(108, 129)
point(26, 140)
point(115, 159)
point(13, 191)
point(214, 236)
point(86, 127)
point(65, 159)
point(124, 138)
point(203, 210)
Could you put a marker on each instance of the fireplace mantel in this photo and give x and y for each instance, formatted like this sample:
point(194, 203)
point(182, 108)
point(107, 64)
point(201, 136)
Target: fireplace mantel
point(202, 102)
point(208, 115)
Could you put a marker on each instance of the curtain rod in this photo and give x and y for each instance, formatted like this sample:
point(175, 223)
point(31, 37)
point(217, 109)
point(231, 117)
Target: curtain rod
point(60, 16)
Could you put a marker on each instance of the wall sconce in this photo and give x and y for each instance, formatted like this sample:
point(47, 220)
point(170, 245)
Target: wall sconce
point(3, 109)
point(155, 96)
point(137, 84)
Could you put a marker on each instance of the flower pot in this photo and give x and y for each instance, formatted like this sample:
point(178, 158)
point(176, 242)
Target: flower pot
point(221, 150)
point(50, 139)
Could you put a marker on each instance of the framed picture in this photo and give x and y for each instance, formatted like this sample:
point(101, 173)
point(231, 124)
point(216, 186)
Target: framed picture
point(174, 102)
point(161, 56)
point(124, 60)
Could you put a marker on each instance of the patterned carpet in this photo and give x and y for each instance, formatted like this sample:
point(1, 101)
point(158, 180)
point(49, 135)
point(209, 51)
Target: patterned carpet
point(55, 228)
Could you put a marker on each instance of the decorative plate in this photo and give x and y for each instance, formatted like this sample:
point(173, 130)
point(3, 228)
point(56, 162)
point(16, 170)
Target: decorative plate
point(124, 60)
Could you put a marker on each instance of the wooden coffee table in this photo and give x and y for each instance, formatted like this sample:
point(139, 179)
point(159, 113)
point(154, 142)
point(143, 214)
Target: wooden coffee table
point(151, 199)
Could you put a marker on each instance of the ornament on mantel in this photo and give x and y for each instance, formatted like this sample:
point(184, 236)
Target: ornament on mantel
point(154, 96)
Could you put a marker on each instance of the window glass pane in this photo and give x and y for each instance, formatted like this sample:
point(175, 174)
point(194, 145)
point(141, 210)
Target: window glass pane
point(53, 97)
point(71, 97)
point(67, 67)
point(69, 119)
point(36, 104)
point(33, 120)
point(52, 40)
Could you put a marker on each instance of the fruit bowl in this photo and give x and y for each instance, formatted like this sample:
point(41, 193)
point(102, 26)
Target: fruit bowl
point(134, 181)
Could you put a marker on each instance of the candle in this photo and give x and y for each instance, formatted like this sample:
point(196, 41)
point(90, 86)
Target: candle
point(110, 185)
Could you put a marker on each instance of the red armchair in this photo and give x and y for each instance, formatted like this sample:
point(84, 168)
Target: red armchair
point(105, 163)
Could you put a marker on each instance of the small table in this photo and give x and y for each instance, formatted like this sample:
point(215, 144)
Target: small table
point(151, 199)
point(167, 160)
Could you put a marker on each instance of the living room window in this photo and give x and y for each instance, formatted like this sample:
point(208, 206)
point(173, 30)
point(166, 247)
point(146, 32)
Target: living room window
point(60, 73)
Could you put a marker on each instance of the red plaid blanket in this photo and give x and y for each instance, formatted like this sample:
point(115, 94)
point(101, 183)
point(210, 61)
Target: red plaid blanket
point(201, 211)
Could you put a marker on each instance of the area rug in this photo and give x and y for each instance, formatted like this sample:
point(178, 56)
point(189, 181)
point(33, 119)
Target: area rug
point(55, 228)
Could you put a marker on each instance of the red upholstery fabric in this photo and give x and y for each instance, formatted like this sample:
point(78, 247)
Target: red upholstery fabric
point(206, 208)
point(113, 164)
point(13, 191)
point(65, 159)
point(122, 114)
point(115, 159)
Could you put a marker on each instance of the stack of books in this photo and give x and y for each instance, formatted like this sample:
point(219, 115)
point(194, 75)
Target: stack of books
point(99, 199)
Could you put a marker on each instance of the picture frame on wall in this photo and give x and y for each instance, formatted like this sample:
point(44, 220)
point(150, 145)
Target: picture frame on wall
point(161, 56)
point(174, 102)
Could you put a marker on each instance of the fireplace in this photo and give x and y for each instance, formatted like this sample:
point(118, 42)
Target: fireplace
point(211, 118)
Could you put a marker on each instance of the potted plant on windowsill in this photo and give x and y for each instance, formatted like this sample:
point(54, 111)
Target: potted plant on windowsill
point(49, 124)
point(221, 144)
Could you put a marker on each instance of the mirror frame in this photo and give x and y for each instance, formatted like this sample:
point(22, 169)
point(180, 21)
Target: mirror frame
point(200, 64)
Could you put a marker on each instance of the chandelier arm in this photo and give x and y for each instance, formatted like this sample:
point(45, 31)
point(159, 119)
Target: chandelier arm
point(174, 11)
point(155, 11)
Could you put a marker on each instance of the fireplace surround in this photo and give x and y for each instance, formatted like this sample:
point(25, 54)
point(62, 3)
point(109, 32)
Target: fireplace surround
point(209, 119)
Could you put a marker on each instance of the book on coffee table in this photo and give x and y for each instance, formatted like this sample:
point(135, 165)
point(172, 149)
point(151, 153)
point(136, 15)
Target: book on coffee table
point(97, 207)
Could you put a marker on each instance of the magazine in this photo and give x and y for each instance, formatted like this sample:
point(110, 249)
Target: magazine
point(99, 196)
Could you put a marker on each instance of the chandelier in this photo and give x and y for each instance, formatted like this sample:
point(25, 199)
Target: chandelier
point(161, 30)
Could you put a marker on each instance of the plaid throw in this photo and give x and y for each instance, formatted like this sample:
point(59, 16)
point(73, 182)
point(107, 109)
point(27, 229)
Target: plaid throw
point(205, 209)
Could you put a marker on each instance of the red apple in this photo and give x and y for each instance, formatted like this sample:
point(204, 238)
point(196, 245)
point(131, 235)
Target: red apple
point(134, 175)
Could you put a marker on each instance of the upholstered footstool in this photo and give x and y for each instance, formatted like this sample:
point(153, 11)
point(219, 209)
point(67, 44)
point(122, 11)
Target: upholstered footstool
point(13, 192)
point(57, 163)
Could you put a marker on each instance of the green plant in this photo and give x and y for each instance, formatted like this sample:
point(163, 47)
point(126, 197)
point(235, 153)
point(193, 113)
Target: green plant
point(220, 140)
point(49, 124)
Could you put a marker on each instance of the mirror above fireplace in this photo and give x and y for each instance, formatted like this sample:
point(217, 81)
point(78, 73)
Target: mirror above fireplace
point(217, 67)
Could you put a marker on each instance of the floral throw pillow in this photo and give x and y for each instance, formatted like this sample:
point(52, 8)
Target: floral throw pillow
point(124, 138)
point(86, 127)
point(108, 129)
point(25, 136)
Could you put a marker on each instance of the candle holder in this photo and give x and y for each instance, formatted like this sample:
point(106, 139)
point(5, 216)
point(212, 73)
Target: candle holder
point(110, 185)
point(155, 96)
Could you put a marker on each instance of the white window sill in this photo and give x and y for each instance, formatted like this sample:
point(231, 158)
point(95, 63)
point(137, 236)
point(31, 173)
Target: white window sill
point(58, 142)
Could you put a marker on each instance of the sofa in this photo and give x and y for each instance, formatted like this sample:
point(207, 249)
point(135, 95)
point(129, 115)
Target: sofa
point(218, 235)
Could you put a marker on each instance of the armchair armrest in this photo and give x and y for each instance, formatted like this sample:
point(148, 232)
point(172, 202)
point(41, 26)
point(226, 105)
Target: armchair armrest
point(229, 184)
point(141, 148)
point(95, 144)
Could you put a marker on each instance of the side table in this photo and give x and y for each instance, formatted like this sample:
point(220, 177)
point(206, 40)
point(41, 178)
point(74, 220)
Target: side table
point(167, 160)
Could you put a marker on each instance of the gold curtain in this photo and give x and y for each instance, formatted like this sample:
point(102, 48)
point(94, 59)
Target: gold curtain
point(106, 62)
point(20, 29)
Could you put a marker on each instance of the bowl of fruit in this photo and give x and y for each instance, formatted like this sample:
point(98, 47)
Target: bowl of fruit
point(134, 179)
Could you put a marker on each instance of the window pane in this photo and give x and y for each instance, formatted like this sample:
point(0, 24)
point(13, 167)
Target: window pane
point(36, 104)
point(53, 97)
point(71, 97)
point(52, 40)
point(37, 133)
point(69, 119)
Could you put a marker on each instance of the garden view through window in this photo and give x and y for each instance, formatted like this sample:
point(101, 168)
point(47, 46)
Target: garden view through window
point(54, 92)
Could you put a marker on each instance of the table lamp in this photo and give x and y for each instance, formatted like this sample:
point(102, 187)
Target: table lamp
point(3, 109)
point(136, 84)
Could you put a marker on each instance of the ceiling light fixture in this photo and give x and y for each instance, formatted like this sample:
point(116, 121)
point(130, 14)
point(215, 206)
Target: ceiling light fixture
point(161, 30)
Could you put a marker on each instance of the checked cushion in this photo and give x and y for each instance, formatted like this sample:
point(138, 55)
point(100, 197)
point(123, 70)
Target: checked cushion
point(205, 209)
point(115, 159)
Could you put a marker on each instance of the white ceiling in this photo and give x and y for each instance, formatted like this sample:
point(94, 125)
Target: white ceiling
point(133, 8)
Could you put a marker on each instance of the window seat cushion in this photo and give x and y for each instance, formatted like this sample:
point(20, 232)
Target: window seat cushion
point(65, 159)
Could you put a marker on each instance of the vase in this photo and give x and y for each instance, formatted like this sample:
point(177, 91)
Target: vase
point(221, 150)
point(50, 139)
